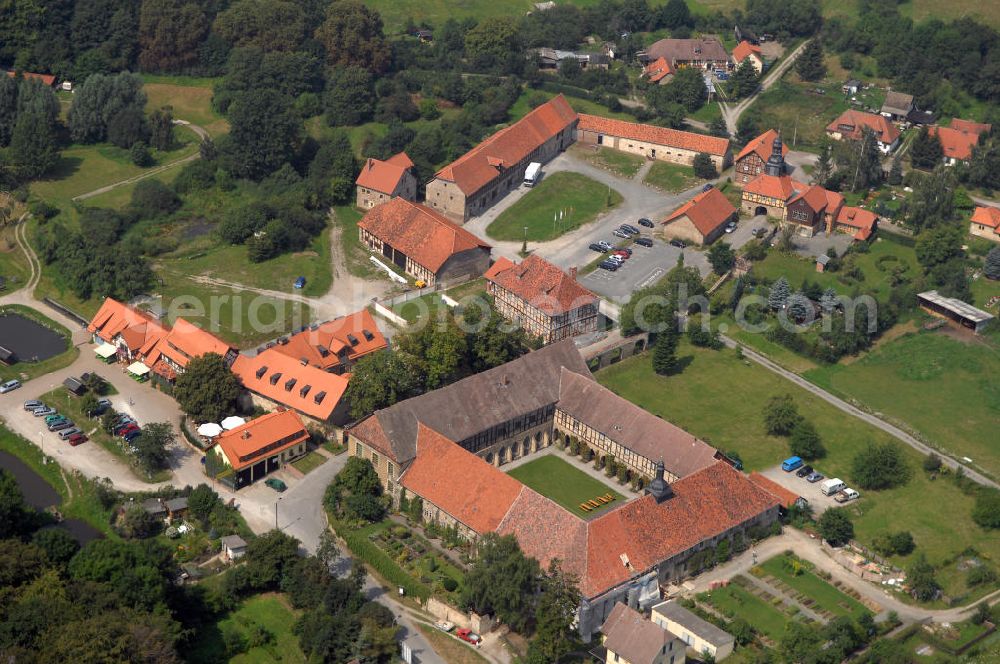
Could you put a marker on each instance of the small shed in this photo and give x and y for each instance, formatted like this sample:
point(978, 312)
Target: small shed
point(74, 386)
point(851, 87)
point(954, 310)
point(7, 356)
point(176, 506)
point(233, 547)
point(155, 507)
point(821, 262)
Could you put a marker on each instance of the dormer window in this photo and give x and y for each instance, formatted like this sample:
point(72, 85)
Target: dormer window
point(275, 377)
point(261, 371)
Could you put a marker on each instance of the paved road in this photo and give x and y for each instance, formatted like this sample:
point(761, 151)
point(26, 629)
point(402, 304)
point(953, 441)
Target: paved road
point(873, 420)
point(731, 114)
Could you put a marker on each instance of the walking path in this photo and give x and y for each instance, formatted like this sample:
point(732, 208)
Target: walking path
point(873, 420)
point(731, 114)
point(786, 600)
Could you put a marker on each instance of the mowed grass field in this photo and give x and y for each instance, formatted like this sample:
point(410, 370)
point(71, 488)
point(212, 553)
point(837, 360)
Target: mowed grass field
point(190, 99)
point(558, 480)
point(575, 197)
point(719, 398)
point(674, 178)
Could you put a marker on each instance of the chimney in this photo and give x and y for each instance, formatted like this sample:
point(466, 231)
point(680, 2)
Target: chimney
point(504, 380)
point(572, 273)
point(658, 488)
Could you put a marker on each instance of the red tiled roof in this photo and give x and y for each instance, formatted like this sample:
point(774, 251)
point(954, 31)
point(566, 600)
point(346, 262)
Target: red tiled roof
point(185, 341)
point(384, 176)
point(370, 431)
point(246, 444)
point(782, 187)
point(851, 122)
point(47, 79)
point(507, 147)
point(658, 70)
point(331, 342)
point(814, 196)
point(546, 531)
point(762, 145)
point(955, 144)
point(138, 330)
point(786, 497)
point(700, 49)
point(672, 138)
point(425, 236)
point(859, 218)
point(834, 202)
point(462, 484)
point(541, 284)
point(970, 127)
point(303, 387)
point(707, 211)
point(744, 50)
point(987, 216)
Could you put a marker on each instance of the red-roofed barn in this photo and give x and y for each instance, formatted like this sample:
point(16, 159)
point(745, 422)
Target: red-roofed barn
point(702, 219)
point(381, 180)
point(679, 147)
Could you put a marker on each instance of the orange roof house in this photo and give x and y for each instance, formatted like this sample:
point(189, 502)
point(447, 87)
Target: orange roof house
point(761, 146)
point(661, 136)
point(985, 222)
point(859, 222)
point(851, 123)
point(702, 219)
point(785, 497)
point(958, 140)
point(778, 187)
point(659, 71)
point(182, 343)
point(337, 344)
point(262, 438)
point(277, 380)
point(746, 50)
point(419, 237)
point(970, 127)
point(381, 180)
point(134, 332)
point(47, 79)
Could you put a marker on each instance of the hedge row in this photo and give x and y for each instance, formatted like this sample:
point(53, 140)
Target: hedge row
point(362, 548)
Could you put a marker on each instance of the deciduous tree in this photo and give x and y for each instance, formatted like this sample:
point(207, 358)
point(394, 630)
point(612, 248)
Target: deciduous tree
point(263, 136)
point(721, 257)
point(271, 25)
point(502, 581)
point(170, 32)
point(805, 441)
point(781, 415)
point(880, 466)
point(835, 526)
point(555, 636)
point(207, 390)
point(352, 35)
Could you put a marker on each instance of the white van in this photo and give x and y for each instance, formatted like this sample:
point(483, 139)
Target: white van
point(832, 487)
point(847, 495)
point(532, 173)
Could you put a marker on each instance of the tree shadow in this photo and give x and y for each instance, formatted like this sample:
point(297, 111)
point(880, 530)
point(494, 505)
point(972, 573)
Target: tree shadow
point(64, 168)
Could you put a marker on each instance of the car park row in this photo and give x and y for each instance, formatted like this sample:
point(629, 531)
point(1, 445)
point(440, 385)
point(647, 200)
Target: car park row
point(618, 255)
point(834, 488)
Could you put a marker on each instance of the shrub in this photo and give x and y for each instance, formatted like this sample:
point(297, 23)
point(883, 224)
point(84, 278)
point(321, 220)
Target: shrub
point(986, 512)
point(980, 576)
point(836, 527)
point(449, 584)
point(880, 466)
point(932, 463)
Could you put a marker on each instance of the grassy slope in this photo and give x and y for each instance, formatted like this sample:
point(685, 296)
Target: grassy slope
point(557, 479)
point(269, 611)
point(579, 197)
point(719, 398)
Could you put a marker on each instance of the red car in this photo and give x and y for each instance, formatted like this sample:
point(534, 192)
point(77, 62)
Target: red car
point(76, 439)
point(622, 253)
point(468, 635)
point(129, 429)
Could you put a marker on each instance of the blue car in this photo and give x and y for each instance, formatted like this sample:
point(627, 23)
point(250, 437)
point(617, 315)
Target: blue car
point(300, 282)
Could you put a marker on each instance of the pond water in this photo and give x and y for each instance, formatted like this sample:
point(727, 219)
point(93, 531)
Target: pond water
point(39, 494)
point(30, 341)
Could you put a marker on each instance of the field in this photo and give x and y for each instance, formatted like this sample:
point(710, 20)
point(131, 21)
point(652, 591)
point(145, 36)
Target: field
point(736, 602)
point(557, 479)
point(671, 177)
point(190, 99)
point(620, 163)
point(799, 115)
point(826, 598)
point(719, 398)
point(901, 378)
point(576, 196)
point(267, 614)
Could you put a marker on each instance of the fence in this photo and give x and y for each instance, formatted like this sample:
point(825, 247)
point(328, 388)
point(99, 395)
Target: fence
point(386, 313)
point(66, 312)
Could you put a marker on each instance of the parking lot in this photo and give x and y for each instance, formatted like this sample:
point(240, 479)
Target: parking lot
point(809, 491)
point(643, 269)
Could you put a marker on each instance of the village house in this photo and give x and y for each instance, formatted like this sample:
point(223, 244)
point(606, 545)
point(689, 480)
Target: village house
point(851, 124)
point(179, 346)
point(545, 301)
point(631, 639)
point(897, 106)
point(702, 219)
point(702, 52)
point(985, 223)
point(124, 333)
point(381, 180)
point(258, 448)
point(857, 222)
point(276, 381)
point(422, 242)
point(475, 181)
point(335, 345)
point(752, 159)
point(702, 637)
point(659, 71)
point(551, 58)
point(673, 145)
point(747, 51)
point(958, 140)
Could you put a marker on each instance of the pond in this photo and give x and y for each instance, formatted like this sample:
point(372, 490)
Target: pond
point(39, 494)
point(28, 340)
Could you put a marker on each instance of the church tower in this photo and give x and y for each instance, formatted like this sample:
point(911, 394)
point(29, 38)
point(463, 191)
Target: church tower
point(776, 162)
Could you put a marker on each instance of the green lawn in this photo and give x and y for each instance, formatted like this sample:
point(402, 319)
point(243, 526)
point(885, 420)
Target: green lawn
point(798, 114)
point(346, 217)
point(707, 113)
point(577, 197)
point(267, 613)
point(671, 177)
point(119, 197)
point(309, 462)
point(13, 265)
point(190, 99)
point(719, 398)
point(735, 602)
point(825, 596)
point(620, 163)
point(903, 377)
point(557, 479)
point(425, 307)
point(27, 370)
point(521, 106)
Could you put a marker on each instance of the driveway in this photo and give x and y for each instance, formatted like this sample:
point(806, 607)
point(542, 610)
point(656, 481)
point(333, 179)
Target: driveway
point(799, 485)
point(811, 247)
point(643, 269)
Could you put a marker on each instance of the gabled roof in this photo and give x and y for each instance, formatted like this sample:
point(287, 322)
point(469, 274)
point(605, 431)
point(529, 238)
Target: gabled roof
point(851, 122)
point(47, 79)
point(384, 176)
point(474, 492)
point(744, 50)
point(861, 219)
point(762, 146)
point(633, 638)
point(688, 50)
point(707, 211)
point(425, 236)
point(786, 497)
point(694, 623)
point(541, 284)
point(631, 426)
point(186, 341)
point(834, 202)
point(970, 127)
point(782, 187)
point(987, 216)
point(139, 331)
point(814, 196)
point(956, 143)
point(507, 147)
point(289, 382)
point(898, 103)
point(253, 441)
point(658, 70)
point(673, 138)
point(345, 338)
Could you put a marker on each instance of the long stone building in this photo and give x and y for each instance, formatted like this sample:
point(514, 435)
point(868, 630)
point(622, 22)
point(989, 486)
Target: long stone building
point(657, 143)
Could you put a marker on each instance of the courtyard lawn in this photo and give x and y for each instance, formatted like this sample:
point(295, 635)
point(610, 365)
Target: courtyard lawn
point(719, 398)
point(900, 378)
point(189, 98)
point(309, 462)
point(268, 612)
point(557, 479)
point(620, 163)
point(736, 602)
point(577, 197)
point(826, 597)
point(425, 307)
point(669, 177)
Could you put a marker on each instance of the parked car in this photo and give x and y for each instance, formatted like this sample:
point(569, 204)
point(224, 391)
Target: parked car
point(300, 282)
point(468, 635)
point(52, 417)
point(610, 266)
point(644, 242)
point(815, 477)
point(66, 433)
point(129, 429)
point(131, 436)
point(630, 229)
point(31, 405)
point(606, 245)
point(596, 247)
point(120, 428)
point(9, 386)
point(44, 410)
point(618, 260)
point(677, 243)
point(731, 226)
point(708, 186)
point(759, 232)
point(833, 487)
point(77, 438)
point(622, 253)
point(791, 463)
point(58, 426)
point(275, 484)
point(444, 625)
point(803, 471)
point(620, 233)
point(847, 495)
point(645, 222)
